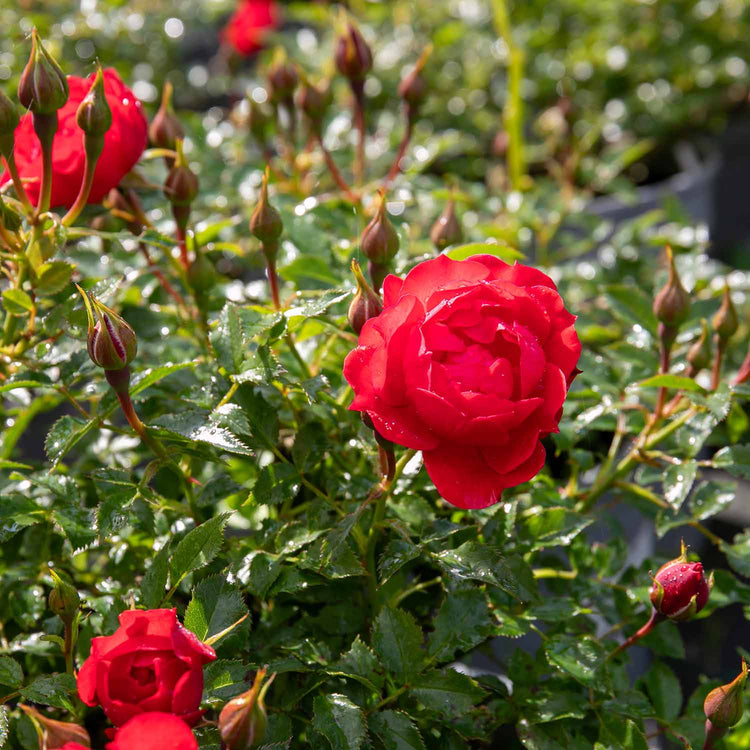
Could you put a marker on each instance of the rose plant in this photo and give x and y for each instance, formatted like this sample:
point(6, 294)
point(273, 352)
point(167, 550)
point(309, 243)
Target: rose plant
point(390, 508)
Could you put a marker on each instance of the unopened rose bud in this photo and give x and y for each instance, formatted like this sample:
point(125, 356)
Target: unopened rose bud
point(725, 321)
point(94, 116)
point(181, 185)
point(265, 223)
point(313, 103)
point(57, 734)
point(282, 77)
point(699, 354)
point(242, 721)
point(379, 242)
point(365, 304)
point(672, 303)
point(413, 88)
point(9, 120)
point(201, 275)
point(680, 590)
point(42, 88)
point(446, 230)
point(723, 705)
point(111, 341)
point(165, 129)
point(352, 55)
point(63, 599)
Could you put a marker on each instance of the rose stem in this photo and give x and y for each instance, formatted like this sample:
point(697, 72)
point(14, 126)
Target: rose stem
point(665, 354)
point(653, 621)
point(396, 166)
point(338, 178)
point(91, 160)
point(45, 127)
point(10, 163)
point(358, 89)
point(716, 372)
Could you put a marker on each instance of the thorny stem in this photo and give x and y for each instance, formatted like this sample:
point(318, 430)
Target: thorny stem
point(396, 166)
point(653, 621)
point(358, 89)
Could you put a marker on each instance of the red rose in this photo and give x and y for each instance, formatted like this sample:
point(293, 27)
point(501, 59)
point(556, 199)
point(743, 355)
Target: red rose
point(149, 731)
point(150, 663)
point(123, 144)
point(246, 28)
point(469, 362)
point(680, 589)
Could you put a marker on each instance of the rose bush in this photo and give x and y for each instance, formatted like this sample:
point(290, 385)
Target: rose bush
point(469, 362)
point(123, 144)
point(150, 663)
point(247, 26)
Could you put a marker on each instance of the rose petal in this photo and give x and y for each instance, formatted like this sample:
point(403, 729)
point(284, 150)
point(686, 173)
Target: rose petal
point(154, 731)
point(441, 273)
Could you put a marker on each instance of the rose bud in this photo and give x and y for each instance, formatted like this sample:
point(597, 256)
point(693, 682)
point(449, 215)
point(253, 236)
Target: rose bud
point(725, 321)
point(672, 303)
point(446, 230)
point(165, 129)
point(242, 721)
point(94, 116)
point(42, 88)
point(282, 77)
point(723, 705)
point(9, 120)
point(413, 88)
point(154, 730)
point(181, 185)
point(365, 304)
point(63, 599)
point(111, 341)
point(743, 374)
point(57, 734)
point(379, 242)
point(265, 223)
point(314, 103)
point(680, 590)
point(699, 354)
point(352, 55)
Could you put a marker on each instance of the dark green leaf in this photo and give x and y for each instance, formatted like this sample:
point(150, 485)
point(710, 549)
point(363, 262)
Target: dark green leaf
point(215, 606)
point(340, 721)
point(664, 690)
point(198, 547)
point(462, 622)
point(11, 674)
point(53, 690)
point(276, 483)
point(446, 692)
point(360, 663)
point(155, 580)
point(224, 678)
point(678, 481)
point(396, 731)
point(397, 640)
point(579, 656)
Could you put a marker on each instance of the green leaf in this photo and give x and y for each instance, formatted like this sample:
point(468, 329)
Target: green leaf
point(63, 435)
point(480, 562)
point(225, 678)
point(398, 553)
point(147, 378)
point(664, 690)
point(462, 622)
point(155, 581)
point(116, 492)
point(620, 734)
point(396, 731)
point(676, 382)
point(17, 302)
point(53, 690)
point(738, 553)
point(632, 304)
point(77, 523)
point(735, 459)
point(397, 640)
point(11, 674)
point(198, 547)
point(579, 656)
point(461, 252)
point(4, 725)
point(232, 337)
point(276, 483)
point(361, 664)
point(340, 721)
point(306, 267)
point(553, 527)
point(446, 692)
point(678, 481)
point(53, 277)
point(215, 606)
point(711, 498)
point(259, 572)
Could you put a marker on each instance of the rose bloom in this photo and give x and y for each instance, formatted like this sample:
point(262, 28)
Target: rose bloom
point(246, 29)
point(150, 731)
point(469, 362)
point(150, 663)
point(123, 144)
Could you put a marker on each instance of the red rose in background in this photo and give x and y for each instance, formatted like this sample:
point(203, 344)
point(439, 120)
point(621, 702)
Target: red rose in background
point(469, 362)
point(150, 731)
point(123, 144)
point(245, 30)
point(150, 663)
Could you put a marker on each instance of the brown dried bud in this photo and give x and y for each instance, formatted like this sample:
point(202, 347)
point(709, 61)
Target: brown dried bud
point(181, 185)
point(265, 223)
point(723, 705)
point(413, 88)
point(42, 88)
point(672, 303)
point(55, 734)
point(379, 242)
point(365, 304)
point(352, 55)
point(242, 721)
point(699, 354)
point(165, 129)
point(725, 322)
point(110, 341)
point(8, 122)
point(446, 230)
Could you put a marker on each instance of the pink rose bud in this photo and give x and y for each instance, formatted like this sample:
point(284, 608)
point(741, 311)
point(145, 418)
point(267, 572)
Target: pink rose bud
point(111, 341)
point(181, 185)
point(365, 304)
point(723, 705)
point(680, 590)
point(672, 303)
point(725, 321)
point(42, 88)
point(413, 87)
point(165, 129)
point(446, 230)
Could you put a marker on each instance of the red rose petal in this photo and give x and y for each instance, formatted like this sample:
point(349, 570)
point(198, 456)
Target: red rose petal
point(154, 731)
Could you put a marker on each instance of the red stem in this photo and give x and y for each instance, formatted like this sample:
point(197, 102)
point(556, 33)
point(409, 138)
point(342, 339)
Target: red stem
point(396, 166)
point(358, 88)
point(338, 178)
point(183, 247)
point(10, 165)
point(273, 282)
point(653, 621)
point(716, 372)
point(166, 286)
